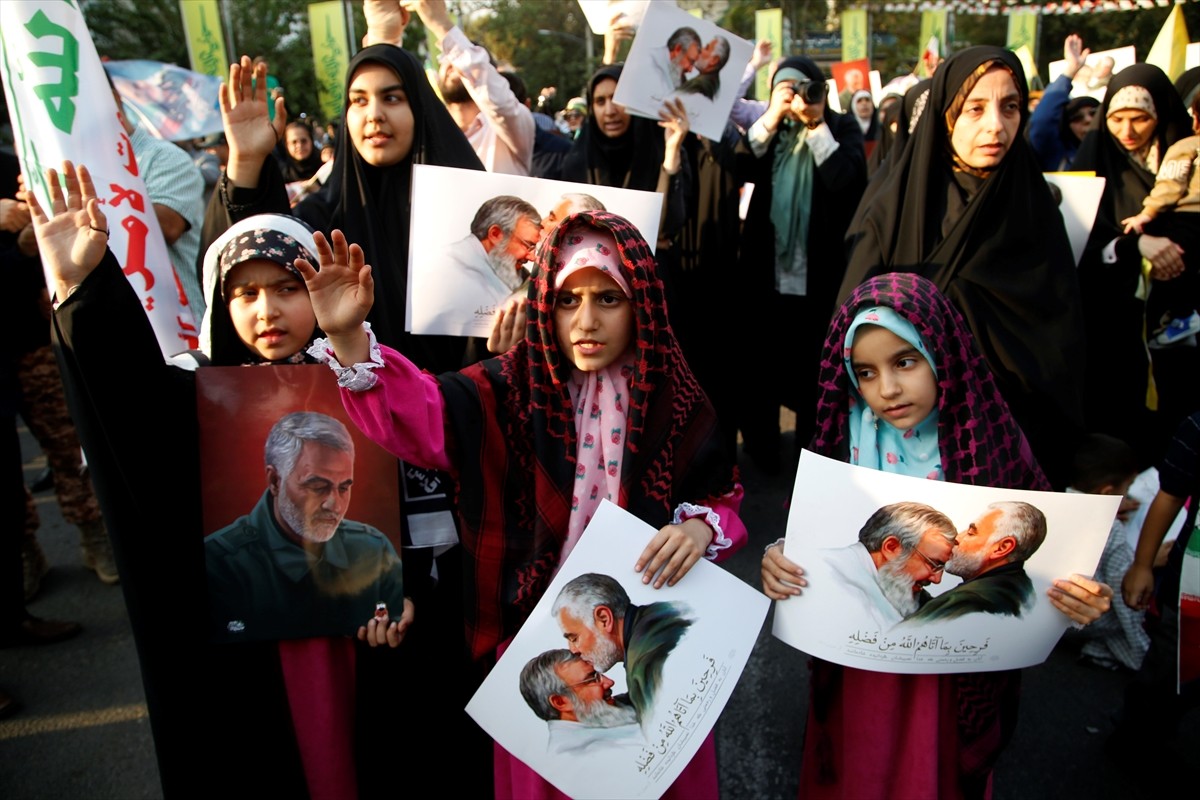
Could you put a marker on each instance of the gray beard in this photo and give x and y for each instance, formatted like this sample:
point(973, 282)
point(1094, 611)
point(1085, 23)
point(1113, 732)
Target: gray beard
point(600, 714)
point(965, 565)
point(897, 586)
point(504, 264)
point(296, 521)
point(605, 654)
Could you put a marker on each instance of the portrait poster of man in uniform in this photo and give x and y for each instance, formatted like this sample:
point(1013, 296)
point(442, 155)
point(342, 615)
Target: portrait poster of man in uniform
point(923, 577)
point(302, 511)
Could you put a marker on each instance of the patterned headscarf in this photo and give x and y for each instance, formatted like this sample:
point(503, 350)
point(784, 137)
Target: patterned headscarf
point(980, 442)
point(514, 421)
point(874, 442)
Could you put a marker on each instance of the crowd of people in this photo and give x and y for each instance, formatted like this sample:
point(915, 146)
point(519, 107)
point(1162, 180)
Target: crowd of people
point(909, 259)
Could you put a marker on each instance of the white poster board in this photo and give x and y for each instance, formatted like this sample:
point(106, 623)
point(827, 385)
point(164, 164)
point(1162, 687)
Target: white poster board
point(453, 288)
point(1081, 193)
point(838, 616)
point(653, 75)
point(1092, 79)
point(600, 14)
point(629, 760)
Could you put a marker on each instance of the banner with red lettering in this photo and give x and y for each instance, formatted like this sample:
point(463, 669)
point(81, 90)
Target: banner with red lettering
point(61, 107)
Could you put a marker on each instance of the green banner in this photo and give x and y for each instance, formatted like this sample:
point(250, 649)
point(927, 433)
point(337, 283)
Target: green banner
point(1023, 29)
point(855, 36)
point(933, 24)
point(205, 42)
point(327, 24)
point(768, 24)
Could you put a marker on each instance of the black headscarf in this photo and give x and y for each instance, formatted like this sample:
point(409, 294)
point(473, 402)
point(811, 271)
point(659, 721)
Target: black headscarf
point(631, 160)
point(1187, 84)
point(371, 204)
point(1127, 182)
point(1073, 107)
point(1003, 258)
point(298, 169)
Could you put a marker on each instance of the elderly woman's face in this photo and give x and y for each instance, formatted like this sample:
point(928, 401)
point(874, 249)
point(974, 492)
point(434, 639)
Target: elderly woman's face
point(1132, 127)
point(988, 124)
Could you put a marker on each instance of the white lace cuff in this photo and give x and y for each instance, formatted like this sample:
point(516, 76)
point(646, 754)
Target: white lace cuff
point(686, 511)
point(357, 378)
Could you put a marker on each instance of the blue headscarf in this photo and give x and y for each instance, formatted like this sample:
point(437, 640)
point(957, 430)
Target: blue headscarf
point(875, 442)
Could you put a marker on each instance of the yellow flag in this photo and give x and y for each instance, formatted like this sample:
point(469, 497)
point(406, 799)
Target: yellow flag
point(1023, 29)
point(327, 25)
point(1169, 49)
point(854, 34)
point(768, 24)
point(205, 43)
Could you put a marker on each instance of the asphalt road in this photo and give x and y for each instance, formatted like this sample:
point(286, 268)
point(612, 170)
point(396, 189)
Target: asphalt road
point(83, 730)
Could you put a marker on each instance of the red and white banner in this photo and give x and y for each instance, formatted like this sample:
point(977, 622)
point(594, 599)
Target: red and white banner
point(61, 108)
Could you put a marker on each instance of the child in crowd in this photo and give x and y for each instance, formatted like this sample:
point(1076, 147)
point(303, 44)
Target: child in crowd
point(1154, 702)
point(904, 389)
point(309, 709)
point(1176, 189)
point(1106, 465)
point(596, 402)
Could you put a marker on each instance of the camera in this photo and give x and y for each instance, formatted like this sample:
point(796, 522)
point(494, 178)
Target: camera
point(811, 91)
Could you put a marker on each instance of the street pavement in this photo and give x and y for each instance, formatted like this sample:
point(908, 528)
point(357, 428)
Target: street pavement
point(83, 730)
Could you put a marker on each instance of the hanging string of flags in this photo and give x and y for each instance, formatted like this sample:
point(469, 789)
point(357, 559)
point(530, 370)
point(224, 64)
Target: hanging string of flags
point(1005, 7)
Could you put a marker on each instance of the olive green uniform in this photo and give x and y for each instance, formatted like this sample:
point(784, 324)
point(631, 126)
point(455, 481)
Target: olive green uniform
point(261, 585)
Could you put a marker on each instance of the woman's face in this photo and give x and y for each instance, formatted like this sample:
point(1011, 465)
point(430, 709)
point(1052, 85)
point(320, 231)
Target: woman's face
point(1081, 123)
point(593, 320)
point(299, 143)
point(378, 117)
point(270, 309)
point(864, 108)
point(1132, 128)
point(612, 118)
point(988, 124)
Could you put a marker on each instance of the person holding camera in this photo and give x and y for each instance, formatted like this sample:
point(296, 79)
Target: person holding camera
point(807, 166)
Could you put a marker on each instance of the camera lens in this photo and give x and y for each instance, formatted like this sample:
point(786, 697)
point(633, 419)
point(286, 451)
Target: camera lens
point(811, 91)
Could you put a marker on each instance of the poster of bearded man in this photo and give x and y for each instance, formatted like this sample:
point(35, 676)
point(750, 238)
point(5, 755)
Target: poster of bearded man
point(917, 576)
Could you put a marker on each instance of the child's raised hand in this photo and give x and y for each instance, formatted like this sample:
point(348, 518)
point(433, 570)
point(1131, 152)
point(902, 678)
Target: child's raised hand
point(781, 577)
point(343, 291)
point(673, 552)
point(72, 238)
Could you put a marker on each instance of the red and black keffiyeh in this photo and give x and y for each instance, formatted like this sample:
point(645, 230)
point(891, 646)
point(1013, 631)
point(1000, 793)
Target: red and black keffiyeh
point(513, 426)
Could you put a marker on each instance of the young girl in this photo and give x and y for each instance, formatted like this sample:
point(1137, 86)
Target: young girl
point(904, 390)
point(291, 703)
point(596, 402)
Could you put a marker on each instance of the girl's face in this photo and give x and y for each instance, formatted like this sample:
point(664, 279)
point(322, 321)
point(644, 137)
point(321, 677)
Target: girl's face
point(612, 119)
point(988, 124)
point(593, 320)
point(894, 378)
point(270, 309)
point(378, 117)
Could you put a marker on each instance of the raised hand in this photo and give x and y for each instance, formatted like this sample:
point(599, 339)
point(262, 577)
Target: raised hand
point(673, 118)
point(342, 294)
point(508, 327)
point(248, 127)
point(72, 238)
